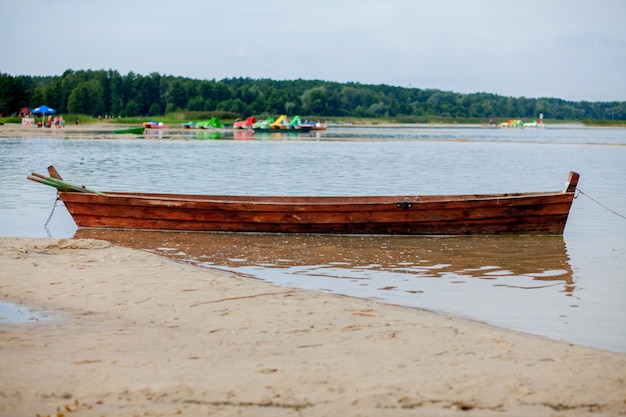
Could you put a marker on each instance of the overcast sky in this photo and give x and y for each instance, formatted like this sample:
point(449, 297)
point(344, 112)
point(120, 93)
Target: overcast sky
point(569, 49)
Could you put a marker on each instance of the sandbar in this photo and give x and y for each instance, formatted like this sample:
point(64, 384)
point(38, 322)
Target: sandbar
point(128, 333)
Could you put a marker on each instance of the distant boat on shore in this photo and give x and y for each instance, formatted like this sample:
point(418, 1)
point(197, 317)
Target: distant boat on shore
point(130, 130)
point(155, 125)
point(245, 124)
point(283, 123)
point(213, 123)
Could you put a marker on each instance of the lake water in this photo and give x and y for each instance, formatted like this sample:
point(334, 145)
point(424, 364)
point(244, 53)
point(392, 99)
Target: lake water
point(569, 287)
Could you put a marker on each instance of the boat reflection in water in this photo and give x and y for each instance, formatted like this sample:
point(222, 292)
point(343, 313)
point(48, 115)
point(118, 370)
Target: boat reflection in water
point(398, 263)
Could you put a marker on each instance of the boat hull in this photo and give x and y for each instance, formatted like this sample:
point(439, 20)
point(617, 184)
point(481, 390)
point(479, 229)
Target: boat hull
point(515, 213)
point(131, 130)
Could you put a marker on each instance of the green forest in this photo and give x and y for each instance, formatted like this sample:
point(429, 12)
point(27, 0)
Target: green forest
point(104, 93)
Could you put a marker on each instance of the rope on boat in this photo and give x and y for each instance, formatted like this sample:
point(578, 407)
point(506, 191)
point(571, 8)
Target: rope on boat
point(600, 204)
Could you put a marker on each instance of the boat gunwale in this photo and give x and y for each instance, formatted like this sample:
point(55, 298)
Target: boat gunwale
point(315, 200)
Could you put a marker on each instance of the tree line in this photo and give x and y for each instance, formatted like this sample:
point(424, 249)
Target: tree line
point(108, 93)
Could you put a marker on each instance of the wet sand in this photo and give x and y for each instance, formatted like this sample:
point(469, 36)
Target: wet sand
point(129, 333)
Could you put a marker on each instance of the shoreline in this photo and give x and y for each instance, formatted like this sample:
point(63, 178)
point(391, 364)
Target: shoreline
point(130, 333)
point(104, 130)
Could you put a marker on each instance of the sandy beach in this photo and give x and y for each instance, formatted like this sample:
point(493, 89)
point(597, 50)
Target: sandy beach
point(128, 333)
point(101, 130)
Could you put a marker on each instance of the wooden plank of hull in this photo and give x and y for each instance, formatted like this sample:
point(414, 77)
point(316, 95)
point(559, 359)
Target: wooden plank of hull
point(510, 213)
point(544, 225)
point(314, 204)
point(305, 201)
point(441, 214)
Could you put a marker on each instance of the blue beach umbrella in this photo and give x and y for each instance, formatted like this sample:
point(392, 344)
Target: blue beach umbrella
point(43, 110)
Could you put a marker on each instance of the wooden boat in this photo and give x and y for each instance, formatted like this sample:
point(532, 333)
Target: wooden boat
point(520, 213)
point(130, 130)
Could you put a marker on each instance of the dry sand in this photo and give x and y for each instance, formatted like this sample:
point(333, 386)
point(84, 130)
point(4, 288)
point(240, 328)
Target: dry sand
point(132, 334)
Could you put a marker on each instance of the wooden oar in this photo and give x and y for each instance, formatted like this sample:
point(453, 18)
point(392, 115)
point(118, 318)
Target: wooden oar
point(54, 173)
point(59, 184)
point(41, 180)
